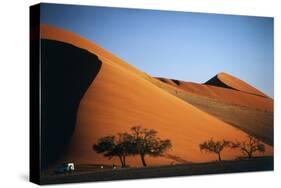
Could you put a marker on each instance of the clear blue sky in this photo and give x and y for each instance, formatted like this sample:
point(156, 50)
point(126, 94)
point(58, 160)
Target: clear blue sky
point(180, 45)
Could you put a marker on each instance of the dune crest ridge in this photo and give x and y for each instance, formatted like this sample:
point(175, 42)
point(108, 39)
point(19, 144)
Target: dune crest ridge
point(228, 81)
point(223, 93)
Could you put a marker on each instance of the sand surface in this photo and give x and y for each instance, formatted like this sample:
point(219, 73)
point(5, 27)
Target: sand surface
point(238, 84)
point(231, 96)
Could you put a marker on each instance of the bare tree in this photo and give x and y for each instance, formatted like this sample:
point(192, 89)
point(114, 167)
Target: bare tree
point(112, 146)
point(249, 146)
point(140, 142)
point(146, 143)
point(213, 146)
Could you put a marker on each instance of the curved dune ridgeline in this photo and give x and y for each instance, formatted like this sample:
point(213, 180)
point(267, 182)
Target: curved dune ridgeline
point(248, 115)
point(224, 94)
point(67, 72)
point(228, 81)
point(122, 96)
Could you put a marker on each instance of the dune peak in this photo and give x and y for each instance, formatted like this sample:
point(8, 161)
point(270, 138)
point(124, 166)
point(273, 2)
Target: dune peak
point(226, 80)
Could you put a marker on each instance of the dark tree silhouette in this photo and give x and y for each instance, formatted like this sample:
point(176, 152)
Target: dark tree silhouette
point(249, 146)
point(146, 143)
point(213, 146)
point(112, 146)
point(105, 145)
point(125, 146)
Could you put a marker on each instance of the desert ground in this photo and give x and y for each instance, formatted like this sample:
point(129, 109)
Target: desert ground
point(121, 96)
point(90, 172)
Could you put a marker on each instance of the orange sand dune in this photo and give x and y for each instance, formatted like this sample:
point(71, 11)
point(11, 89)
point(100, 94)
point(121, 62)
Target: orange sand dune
point(121, 97)
point(224, 94)
point(258, 123)
point(226, 80)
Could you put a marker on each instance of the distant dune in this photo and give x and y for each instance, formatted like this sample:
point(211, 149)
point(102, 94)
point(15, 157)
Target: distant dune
point(253, 119)
point(251, 113)
point(121, 96)
point(228, 81)
point(224, 94)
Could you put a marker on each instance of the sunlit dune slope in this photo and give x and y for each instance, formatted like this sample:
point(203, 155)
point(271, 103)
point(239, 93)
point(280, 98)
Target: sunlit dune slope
point(253, 115)
point(224, 94)
point(256, 122)
point(228, 81)
point(121, 97)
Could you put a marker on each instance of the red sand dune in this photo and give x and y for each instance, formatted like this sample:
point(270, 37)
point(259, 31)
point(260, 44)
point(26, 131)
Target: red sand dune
point(234, 83)
point(224, 94)
point(121, 97)
point(243, 114)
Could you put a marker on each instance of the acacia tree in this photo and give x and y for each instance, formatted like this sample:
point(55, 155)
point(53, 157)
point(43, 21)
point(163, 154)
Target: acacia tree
point(125, 146)
point(145, 143)
point(112, 146)
point(213, 146)
point(249, 146)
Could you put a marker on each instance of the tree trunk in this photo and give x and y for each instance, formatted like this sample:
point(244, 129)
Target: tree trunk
point(249, 155)
point(219, 154)
point(122, 163)
point(142, 160)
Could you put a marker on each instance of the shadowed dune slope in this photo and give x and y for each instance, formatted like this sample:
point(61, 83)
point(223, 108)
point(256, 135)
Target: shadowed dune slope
point(121, 97)
point(67, 72)
point(228, 81)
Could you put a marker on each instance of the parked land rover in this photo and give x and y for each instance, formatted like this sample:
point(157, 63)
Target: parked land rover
point(64, 168)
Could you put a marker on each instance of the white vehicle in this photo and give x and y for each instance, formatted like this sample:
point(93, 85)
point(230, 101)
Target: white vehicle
point(64, 168)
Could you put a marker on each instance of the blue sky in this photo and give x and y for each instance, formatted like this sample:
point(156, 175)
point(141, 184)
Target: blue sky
point(180, 45)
